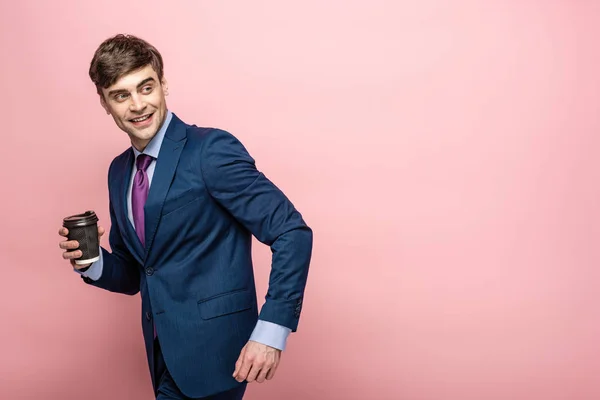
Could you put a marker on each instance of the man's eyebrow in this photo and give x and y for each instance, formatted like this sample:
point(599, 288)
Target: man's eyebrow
point(139, 85)
point(142, 83)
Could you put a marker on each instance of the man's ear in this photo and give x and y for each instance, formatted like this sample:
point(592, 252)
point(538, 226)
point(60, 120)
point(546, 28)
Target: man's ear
point(165, 86)
point(103, 103)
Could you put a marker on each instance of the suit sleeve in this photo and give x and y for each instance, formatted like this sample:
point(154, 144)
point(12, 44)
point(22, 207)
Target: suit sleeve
point(233, 180)
point(120, 273)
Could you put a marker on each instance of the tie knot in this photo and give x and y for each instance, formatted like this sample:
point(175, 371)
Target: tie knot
point(143, 161)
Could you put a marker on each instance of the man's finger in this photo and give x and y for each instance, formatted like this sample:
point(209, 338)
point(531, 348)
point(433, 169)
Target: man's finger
point(238, 363)
point(100, 231)
point(244, 369)
point(69, 244)
point(263, 374)
point(253, 373)
point(79, 266)
point(69, 255)
point(271, 372)
point(63, 232)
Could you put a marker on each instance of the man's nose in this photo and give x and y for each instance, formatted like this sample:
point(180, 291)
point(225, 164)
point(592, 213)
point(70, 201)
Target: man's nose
point(137, 103)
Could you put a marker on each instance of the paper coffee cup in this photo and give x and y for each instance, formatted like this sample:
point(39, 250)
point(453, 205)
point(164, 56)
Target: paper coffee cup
point(84, 229)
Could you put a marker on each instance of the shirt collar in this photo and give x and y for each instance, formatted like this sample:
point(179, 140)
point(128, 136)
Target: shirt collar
point(153, 146)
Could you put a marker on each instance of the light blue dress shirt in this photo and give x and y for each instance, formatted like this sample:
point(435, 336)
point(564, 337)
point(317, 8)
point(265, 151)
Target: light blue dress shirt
point(265, 332)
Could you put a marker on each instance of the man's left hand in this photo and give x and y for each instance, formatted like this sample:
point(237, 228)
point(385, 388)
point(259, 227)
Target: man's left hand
point(256, 362)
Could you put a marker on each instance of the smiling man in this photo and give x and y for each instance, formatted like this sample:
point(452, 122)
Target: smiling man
point(184, 203)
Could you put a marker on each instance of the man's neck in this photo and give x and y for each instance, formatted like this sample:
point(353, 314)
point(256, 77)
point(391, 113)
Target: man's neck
point(140, 145)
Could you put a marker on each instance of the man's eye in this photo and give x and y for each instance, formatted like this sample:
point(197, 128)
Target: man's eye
point(121, 97)
point(147, 89)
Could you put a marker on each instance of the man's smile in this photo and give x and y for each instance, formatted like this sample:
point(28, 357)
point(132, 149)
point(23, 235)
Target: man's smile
point(143, 120)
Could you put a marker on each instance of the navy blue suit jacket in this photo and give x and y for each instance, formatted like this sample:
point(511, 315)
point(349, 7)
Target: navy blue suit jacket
point(195, 273)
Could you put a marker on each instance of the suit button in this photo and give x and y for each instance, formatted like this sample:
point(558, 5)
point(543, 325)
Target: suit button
point(148, 315)
point(149, 271)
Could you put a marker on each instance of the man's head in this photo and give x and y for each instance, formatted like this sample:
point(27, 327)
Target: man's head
point(128, 74)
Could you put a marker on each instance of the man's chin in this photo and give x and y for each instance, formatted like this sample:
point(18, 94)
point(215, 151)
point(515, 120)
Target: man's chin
point(137, 136)
point(147, 132)
point(141, 137)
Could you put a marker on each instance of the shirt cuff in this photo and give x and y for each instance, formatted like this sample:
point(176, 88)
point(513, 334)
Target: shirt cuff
point(94, 271)
point(270, 334)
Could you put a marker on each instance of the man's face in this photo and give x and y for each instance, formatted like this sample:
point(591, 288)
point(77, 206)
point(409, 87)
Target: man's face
point(137, 104)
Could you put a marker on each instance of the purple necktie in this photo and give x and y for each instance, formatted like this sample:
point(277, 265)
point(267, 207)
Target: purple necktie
point(139, 194)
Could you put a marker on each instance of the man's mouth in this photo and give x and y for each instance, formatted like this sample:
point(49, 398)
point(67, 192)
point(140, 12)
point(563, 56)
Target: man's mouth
point(141, 119)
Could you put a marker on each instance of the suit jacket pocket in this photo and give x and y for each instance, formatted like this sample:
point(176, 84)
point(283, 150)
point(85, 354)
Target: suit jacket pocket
point(180, 201)
point(227, 303)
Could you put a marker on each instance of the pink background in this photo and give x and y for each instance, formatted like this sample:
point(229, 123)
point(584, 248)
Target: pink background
point(445, 153)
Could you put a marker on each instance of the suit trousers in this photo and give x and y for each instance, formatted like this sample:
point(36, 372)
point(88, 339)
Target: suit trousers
point(168, 390)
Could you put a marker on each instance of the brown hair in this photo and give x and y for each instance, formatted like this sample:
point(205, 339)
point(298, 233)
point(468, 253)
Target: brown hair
point(120, 55)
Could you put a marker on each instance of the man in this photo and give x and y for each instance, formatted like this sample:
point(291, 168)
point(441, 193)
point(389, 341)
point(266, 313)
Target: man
point(184, 203)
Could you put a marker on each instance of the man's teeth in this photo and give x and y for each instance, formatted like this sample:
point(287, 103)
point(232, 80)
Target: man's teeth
point(141, 118)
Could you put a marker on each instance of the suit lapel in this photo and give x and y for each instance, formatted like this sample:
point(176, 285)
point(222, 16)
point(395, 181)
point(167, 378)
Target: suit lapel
point(166, 164)
point(127, 230)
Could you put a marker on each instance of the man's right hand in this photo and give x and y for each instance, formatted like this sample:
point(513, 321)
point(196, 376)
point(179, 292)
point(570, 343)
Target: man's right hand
point(74, 244)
